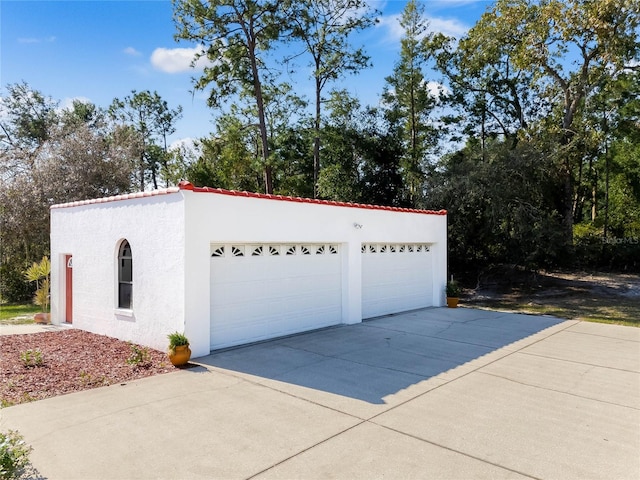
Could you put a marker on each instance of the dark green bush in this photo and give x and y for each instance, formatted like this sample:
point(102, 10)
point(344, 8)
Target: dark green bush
point(14, 455)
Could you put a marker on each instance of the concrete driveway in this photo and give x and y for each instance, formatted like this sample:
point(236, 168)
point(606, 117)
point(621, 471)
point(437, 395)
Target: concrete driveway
point(435, 393)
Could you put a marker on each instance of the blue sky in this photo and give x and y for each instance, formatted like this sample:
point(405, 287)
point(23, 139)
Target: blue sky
point(99, 50)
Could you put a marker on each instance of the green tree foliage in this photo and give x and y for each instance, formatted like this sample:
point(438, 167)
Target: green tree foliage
point(324, 27)
point(607, 201)
point(553, 79)
point(566, 49)
point(501, 208)
point(340, 178)
point(543, 107)
point(491, 97)
point(237, 33)
point(231, 158)
point(152, 121)
point(381, 151)
point(49, 156)
point(25, 126)
point(362, 152)
point(409, 100)
point(289, 141)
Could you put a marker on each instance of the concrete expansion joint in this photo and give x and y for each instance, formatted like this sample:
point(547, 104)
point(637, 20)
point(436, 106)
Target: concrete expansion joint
point(579, 363)
point(344, 420)
point(307, 449)
point(241, 378)
point(555, 390)
point(606, 336)
point(508, 354)
point(460, 452)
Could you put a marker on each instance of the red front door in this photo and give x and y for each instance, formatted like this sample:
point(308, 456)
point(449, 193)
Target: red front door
point(69, 289)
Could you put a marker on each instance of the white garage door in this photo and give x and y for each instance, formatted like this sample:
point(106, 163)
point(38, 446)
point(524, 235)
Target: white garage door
point(265, 291)
point(395, 278)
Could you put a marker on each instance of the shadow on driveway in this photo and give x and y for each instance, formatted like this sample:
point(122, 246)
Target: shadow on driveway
point(380, 357)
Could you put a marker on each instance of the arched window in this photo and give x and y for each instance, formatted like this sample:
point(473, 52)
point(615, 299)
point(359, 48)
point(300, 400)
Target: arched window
point(125, 275)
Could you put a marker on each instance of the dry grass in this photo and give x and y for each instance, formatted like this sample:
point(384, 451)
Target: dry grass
point(571, 308)
point(605, 298)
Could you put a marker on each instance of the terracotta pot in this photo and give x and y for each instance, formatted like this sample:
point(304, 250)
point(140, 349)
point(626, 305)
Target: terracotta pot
point(42, 318)
point(452, 302)
point(180, 355)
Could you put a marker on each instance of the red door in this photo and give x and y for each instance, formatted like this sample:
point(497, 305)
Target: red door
point(69, 289)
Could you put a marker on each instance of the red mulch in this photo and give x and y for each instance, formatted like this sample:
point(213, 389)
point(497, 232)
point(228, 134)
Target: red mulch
point(73, 360)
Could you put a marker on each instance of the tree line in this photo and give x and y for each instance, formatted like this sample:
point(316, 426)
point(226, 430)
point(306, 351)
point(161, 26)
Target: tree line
point(526, 129)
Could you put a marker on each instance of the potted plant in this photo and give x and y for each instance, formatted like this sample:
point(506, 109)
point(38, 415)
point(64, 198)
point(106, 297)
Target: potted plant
point(453, 293)
point(179, 351)
point(39, 272)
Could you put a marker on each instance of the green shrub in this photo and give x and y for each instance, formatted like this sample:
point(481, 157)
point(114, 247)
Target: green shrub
point(588, 243)
point(453, 289)
point(139, 356)
point(14, 455)
point(14, 287)
point(618, 250)
point(32, 358)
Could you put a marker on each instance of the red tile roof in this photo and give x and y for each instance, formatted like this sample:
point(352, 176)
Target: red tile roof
point(116, 198)
point(184, 185)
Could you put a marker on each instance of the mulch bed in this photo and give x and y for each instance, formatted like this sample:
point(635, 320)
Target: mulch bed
point(69, 361)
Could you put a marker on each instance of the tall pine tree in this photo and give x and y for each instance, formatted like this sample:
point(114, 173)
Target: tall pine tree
point(409, 100)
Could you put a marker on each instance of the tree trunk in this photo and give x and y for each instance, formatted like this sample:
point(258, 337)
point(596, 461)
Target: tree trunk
point(567, 192)
point(257, 89)
point(578, 197)
point(594, 191)
point(142, 169)
point(606, 189)
point(316, 140)
point(594, 199)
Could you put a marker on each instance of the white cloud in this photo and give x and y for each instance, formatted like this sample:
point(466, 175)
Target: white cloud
point(67, 103)
point(132, 51)
point(36, 40)
point(437, 89)
point(187, 143)
point(189, 148)
point(631, 65)
point(176, 60)
point(450, 27)
point(391, 24)
point(452, 3)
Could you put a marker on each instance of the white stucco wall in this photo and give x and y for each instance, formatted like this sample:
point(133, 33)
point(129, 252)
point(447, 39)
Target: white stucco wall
point(92, 233)
point(170, 233)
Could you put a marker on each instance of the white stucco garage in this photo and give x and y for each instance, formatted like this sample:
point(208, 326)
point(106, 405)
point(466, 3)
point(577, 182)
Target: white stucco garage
point(229, 268)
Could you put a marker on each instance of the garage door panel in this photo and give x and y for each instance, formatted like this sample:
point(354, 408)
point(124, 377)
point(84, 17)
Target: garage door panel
point(395, 278)
point(255, 297)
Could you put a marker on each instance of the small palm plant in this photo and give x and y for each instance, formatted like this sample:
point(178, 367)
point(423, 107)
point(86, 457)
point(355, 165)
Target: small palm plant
point(39, 273)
